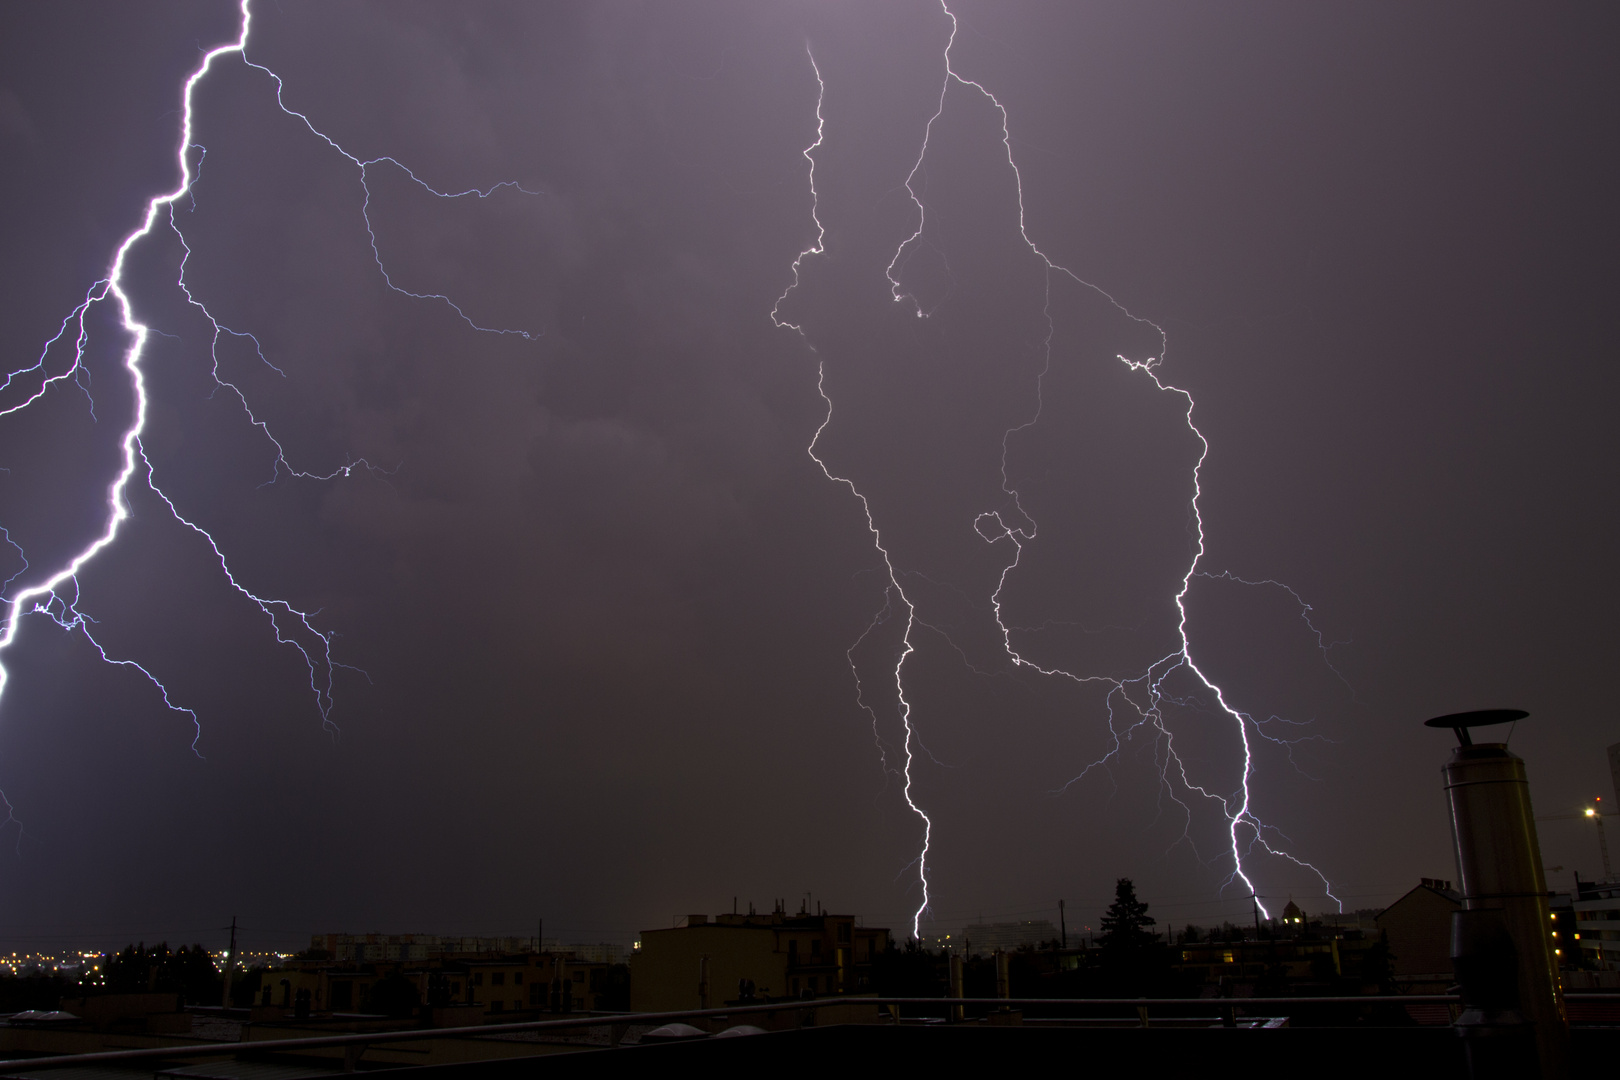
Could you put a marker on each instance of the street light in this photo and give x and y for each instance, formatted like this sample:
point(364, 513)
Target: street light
point(1595, 814)
point(1603, 841)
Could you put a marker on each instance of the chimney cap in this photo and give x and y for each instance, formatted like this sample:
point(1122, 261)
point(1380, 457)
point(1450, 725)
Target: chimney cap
point(1461, 722)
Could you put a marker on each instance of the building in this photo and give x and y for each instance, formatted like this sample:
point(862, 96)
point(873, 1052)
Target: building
point(1597, 923)
point(1363, 919)
point(340, 972)
point(601, 952)
point(708, 962)
point(1247, 959)
point(1418, 928)
point(545, 982)
point(370, 948)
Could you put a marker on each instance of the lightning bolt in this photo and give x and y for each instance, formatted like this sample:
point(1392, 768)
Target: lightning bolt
point(894, 591)
point(1143, 694)
point(819, 247)
point(1323, 645)
point(56, 595)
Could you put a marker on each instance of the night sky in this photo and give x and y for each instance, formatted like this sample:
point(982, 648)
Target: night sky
point(610, 612)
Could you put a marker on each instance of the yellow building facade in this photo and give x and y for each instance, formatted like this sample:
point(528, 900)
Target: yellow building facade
point(709, 963)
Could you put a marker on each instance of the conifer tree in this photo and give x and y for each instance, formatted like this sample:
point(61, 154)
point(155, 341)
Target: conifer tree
point(1126, 924)
point(1133, 960)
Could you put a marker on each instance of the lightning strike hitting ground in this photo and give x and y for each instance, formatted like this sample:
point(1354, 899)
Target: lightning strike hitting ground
point(895, 590)
point(56, 595)
point(1143, 694)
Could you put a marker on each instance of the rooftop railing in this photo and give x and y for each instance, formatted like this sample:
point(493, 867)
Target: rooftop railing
point(355, 1043)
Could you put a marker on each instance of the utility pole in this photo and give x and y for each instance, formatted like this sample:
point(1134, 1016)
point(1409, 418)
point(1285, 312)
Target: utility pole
point(1255, 898)
point(1063, 927)
point(230, 961)
point(956, 985)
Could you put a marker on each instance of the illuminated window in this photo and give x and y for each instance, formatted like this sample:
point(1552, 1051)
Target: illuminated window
point(1226, 957)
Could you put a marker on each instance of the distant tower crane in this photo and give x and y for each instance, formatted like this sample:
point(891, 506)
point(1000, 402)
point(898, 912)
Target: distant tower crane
point(1595, 814)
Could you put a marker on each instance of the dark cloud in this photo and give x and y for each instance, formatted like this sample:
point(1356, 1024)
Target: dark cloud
point(600, 592)
point(15, 123)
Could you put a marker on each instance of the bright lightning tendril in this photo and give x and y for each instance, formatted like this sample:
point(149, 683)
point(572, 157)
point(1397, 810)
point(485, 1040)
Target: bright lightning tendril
point(57, 596)
point(1143, 694)
point(895, 590)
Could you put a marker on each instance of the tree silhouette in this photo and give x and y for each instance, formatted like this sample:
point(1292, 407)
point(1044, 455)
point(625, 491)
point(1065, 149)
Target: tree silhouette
point(1133, 960)
point(1378, 965)
point(140, 970)
point(1125, 925)
point(909, 971)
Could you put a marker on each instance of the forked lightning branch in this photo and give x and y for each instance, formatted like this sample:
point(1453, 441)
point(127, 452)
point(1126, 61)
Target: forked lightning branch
point(1127, 712)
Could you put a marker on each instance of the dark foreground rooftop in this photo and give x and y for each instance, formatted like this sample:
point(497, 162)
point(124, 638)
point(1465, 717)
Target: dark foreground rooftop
point(1166, 1037)
point(945, 1050)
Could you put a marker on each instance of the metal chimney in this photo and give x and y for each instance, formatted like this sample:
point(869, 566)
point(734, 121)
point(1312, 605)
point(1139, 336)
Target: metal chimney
point(1499, 872)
